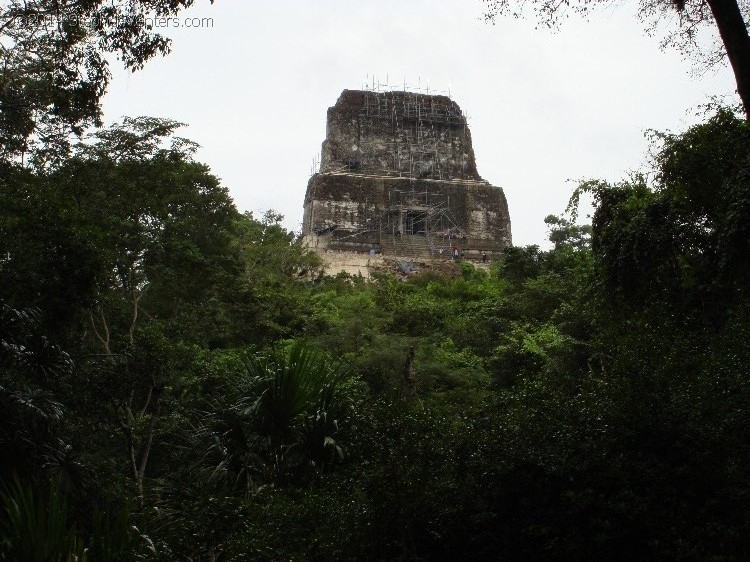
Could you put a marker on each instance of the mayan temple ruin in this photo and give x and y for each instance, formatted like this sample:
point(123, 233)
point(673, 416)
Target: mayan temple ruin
point(398, 178)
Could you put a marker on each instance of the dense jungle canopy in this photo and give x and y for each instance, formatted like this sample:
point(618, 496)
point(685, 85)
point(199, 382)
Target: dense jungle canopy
point(180, 380)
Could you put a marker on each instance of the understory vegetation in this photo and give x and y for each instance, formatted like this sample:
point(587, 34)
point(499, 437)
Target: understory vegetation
point(178, 381)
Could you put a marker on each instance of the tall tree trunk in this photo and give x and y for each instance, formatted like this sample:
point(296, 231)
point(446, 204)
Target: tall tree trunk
point(411, 388)
point(139, 447)
point(734, 35)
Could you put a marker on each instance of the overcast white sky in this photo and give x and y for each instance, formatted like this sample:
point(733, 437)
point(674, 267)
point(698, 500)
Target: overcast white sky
point(544, 107)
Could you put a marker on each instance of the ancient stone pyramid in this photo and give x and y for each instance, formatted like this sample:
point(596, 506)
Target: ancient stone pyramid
point(398, 177)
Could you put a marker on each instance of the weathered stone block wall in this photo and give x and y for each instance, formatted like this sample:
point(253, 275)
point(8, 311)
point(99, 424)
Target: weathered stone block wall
point(398, 176)
point(398, 133)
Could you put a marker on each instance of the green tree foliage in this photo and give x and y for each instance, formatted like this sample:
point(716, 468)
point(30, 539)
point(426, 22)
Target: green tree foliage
point(138, 229)
point(55, 68)
point(277, 424)
point(682, 243)
point(668, 382)
point(31, 432)
point(586, 401)
point(281, 418)
point(277, 267)
point(614, 427)
point(37, 527)
point(146, 267)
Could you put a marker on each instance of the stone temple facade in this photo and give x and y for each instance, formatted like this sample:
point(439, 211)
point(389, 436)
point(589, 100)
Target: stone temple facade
point(398, 177)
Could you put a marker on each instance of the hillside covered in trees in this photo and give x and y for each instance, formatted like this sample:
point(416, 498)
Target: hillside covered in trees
point(180, 381)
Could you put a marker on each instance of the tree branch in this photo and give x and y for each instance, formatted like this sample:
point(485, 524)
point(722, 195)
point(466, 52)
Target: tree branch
point(103, 338)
